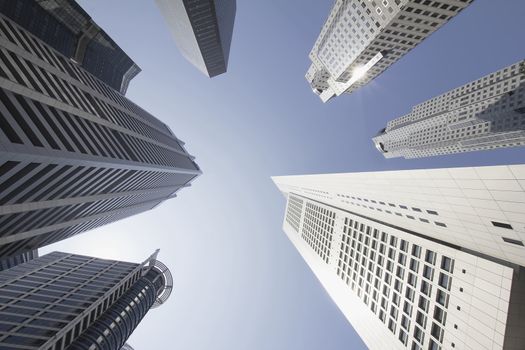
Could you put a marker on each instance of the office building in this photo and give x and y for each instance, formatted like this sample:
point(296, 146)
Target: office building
point(202, 30)
point(75, 154)
point(485, 114)
point(361, 39)
point(67, 28)
point(66, 301)
point(390, 249)
point(12, 261)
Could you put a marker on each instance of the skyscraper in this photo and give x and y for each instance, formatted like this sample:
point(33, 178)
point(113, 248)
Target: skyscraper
point(478, 209)
point(361, 39)
point(67, 301)
point(203, 31)
point(391, 250)
point(14, 260)
point(74, 153)
point(484, 114)
point(67, 28)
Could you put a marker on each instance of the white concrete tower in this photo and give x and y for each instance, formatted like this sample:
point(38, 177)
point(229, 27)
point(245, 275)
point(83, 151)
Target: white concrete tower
point(484, 114)
point(362, 38)
point(417, 259)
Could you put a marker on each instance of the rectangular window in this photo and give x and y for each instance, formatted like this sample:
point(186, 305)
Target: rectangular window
point(428, 272)
point(512, 241)
point(446, 264)
point(421, 319)
point(416, 250)
point(436, 332)
point(444, 281)
point(430, 257)
point(439, 315)
point(426, 288)
point(501, 224)
point(423, 303)
point(419, 335)
point(441, 298)
point(433, 345)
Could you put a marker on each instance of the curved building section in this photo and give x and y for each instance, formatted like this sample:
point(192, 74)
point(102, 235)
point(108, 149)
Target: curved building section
point(115, 326)
point(203, 31)
point(87, 303)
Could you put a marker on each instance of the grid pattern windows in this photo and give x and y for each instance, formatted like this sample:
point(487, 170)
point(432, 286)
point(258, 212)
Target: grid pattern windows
point(405, 286)
point(318, 229)
point(41, 297)
point(98, 157)
point(294, 211)
point(484, 114)
point(357, 30)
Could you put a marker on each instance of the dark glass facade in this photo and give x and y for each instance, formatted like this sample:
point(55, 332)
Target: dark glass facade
point(203, 30)
point(67, 28)
point(214, 48)
point(75, 154)
point(66, 301)
point(12, 261)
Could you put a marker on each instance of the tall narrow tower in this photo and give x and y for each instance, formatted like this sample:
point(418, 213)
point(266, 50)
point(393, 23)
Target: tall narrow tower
point(361, 39)
point(203, 31)
point(75, 154)
point(423, 259)
point(484, 114)
point(66, 301)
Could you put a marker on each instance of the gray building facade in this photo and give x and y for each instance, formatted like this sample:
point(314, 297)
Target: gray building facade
point(75, 154)
point(487, 113)
point(66, 301)
point(203, 31)
point(15, 260)
point(67, 28)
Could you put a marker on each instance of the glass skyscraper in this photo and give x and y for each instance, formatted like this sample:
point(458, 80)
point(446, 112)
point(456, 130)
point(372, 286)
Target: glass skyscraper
point(75, 153)
point(203, 31)
point(66, 301)
point(12, 261)
point(67, 28)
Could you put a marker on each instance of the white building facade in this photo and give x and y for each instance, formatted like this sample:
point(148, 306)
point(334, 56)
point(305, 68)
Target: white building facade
point(362, 38)
point(484, 114)
point(395, 262)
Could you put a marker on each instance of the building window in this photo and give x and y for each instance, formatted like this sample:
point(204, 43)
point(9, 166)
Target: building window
point(513, 241)
point(501, 224)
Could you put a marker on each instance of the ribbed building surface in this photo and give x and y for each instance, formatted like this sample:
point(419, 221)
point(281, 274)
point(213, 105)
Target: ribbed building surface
point(65, 301)
point(484, 114)
point(14, 260)
point(74, 153)
point(361, 39)
point(203, 31)
point(403, 255)
point(67, 28)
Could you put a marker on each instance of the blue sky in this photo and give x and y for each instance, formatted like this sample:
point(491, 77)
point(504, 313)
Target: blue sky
point(239, 283)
